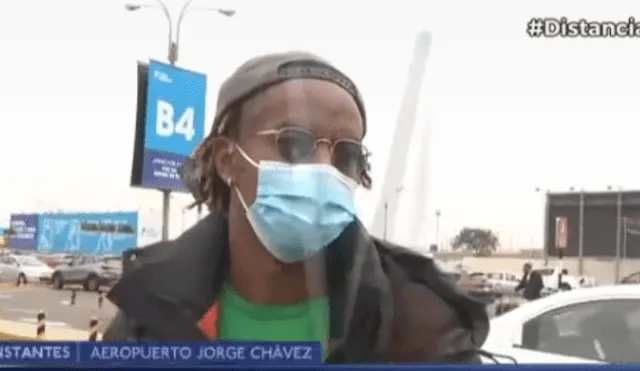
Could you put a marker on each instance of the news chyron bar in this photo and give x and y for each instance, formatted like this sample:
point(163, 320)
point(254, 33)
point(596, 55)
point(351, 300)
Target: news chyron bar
point(222, 355)
point(147, 354)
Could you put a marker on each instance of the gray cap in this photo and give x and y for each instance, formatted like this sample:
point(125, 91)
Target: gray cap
point(257, 74)
point(252, 77)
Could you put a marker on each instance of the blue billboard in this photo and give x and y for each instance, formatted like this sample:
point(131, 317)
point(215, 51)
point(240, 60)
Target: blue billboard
point(24, 231)
point(87, 233)
point(174, 123)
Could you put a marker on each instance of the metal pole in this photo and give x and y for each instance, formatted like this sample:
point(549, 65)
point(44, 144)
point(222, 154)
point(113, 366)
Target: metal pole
point(624, 239)
point(183, 11)
point(546, 225)
point(618, 234)
point(438, 229)
point(386, 207)
point(173, 46)
point(581, 235)
point(199, 211)
point(172, 56)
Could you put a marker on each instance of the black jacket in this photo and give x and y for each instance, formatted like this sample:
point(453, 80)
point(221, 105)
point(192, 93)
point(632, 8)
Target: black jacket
point(532, 285)
point(387, 303)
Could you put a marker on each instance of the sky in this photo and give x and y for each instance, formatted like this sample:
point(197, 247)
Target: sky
point(505, 112)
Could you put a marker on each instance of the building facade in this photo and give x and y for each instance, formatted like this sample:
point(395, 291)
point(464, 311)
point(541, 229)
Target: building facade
point(609, 224)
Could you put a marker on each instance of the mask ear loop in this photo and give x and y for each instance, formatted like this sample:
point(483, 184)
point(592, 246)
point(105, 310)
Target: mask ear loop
point(240, 197)
point(230, 181)
point(246, 156)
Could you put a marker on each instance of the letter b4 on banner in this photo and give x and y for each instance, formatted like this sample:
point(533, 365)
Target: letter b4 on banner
point(170, 124)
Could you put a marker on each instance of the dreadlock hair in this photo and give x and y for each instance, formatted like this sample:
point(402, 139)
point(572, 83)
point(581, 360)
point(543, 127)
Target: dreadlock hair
point(214, 191)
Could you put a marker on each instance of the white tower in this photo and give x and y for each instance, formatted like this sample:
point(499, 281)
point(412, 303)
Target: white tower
point(405, 129)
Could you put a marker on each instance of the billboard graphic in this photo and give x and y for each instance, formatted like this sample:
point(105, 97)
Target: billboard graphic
point(88, 233)
point(174, 122)
point(24, 231)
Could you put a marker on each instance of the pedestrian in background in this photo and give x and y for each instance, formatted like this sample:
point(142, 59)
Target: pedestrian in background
point(531, 283)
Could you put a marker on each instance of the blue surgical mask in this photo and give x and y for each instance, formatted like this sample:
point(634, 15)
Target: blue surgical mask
point(299, 209)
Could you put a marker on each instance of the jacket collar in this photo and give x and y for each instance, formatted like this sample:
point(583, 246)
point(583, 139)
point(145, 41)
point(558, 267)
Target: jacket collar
point(178, 281)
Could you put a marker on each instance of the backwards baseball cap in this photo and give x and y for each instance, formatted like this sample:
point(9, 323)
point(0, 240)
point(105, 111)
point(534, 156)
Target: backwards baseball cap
point(260, 73)
point(253, 77)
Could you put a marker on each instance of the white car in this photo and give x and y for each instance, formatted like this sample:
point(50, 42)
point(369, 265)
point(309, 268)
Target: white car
point(551, 275)
point(591, 325)
point(21, 269)
point(503, 282)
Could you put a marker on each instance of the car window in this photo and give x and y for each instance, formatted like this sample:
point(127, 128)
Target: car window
point(605, 330)
point(512, 277)
point(494, 276)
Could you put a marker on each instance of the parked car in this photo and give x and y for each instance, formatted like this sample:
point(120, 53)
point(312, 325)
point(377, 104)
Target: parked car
point(550, 278)
point(476, 282)
point(89, 271)
point(632, 278)
point(22, 269)
point(53, 260)
point(591, 325)
point(503, 282)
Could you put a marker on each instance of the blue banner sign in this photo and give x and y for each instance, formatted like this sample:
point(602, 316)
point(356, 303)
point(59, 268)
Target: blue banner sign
point(24, 231)
point(87, 233)
point(104, 354)
point(174, 123)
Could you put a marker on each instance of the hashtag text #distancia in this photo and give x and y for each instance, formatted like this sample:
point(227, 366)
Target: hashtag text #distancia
point(563, 27)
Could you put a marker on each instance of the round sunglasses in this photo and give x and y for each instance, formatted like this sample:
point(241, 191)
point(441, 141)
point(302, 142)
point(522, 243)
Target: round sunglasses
point(298, 145)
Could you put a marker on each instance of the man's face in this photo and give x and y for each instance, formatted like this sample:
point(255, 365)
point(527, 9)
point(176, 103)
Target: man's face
point(527, 268)
point(314, 106)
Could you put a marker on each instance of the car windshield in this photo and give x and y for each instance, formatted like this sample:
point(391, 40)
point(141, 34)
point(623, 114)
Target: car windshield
point(29, 261)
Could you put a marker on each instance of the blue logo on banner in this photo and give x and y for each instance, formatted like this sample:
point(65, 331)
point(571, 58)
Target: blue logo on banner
point(25, 231)
point(174, 125)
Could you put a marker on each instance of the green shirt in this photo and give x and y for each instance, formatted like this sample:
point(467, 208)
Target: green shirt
point(242, 320)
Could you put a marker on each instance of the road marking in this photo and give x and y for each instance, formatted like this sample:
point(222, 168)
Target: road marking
point(19, 310)
point(49, 323)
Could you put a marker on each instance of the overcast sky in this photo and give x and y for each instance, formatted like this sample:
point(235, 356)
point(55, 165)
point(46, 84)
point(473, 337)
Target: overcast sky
point(507, 112)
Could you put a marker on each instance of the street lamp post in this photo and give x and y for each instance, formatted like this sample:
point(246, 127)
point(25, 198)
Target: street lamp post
point(580, 231)
point(438, 213)
point(546, 224)
point(386, 209)
point(619, 228)
point(173, 49)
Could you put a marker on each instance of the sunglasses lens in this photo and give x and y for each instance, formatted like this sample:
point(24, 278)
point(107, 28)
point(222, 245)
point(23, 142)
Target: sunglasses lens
point(296, 146)
point(349, 157)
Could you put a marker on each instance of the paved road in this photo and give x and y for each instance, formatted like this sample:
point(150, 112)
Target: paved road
point(23, 304)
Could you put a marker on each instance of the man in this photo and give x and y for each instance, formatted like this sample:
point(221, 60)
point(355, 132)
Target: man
point(531, 282)
point(282, 255)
